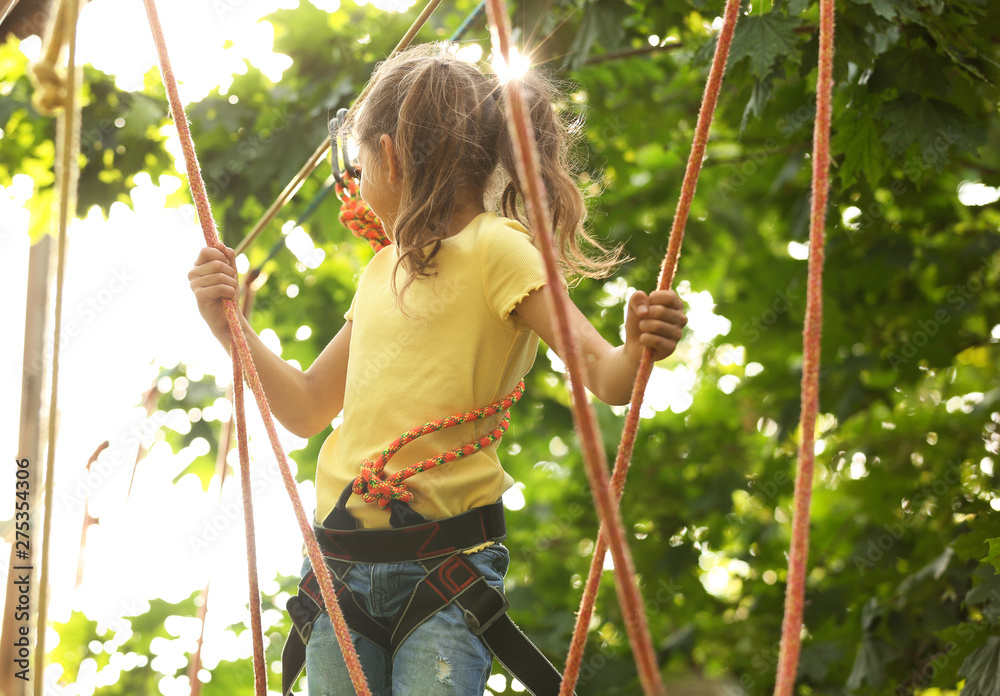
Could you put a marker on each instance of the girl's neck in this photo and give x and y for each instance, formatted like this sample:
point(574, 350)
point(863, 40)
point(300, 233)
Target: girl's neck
point(464, 215)
point(467, 207)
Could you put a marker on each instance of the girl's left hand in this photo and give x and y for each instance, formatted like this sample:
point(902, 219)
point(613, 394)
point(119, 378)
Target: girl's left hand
point(655, 321)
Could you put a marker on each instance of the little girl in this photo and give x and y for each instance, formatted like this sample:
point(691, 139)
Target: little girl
point(445, 320)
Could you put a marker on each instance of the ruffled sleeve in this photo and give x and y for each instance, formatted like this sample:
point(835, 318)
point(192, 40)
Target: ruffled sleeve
point(512, 267)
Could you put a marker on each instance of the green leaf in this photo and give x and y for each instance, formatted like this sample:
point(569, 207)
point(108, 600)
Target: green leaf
point(602, 21)
point(759, 97)
point(988, 587)
point(816, 660)
point(797, 7)
point(909, 69)
point(764, 39)
point(869, 665)
point(936, 127)
point(933, 570)
point(981, 670)
point(890, 9)
point(858, 137)
point(993, 558)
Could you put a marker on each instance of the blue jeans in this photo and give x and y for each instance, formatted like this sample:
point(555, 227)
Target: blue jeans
point(442, 657)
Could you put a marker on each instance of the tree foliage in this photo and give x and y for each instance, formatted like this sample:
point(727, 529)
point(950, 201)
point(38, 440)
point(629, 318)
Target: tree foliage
point(903, 593)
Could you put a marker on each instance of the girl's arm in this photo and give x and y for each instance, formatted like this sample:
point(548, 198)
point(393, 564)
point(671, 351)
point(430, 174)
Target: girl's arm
point(656, 321)
point(303, 402)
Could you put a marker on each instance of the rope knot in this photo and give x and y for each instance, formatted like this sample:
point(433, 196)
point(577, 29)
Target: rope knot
point(51, 91)
point(52, 84)
point(374, 487)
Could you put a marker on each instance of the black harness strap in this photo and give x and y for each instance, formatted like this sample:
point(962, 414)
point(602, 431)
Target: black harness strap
point(485, 608)
point(415, 543)
point(453, 579)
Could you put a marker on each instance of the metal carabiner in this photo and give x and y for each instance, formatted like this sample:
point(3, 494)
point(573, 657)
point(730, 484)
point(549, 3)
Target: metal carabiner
point(338, 150)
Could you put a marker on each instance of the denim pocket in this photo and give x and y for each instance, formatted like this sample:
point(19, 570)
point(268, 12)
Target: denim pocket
point(496, 557)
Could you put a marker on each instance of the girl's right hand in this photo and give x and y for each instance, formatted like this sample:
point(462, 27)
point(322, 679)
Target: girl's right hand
point(213, 279)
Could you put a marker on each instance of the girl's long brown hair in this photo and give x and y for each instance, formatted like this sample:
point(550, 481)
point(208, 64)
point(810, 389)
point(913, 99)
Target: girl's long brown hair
point(446, 119)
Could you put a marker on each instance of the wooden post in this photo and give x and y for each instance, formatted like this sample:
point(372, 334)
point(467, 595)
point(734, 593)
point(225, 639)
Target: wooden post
point(29, 440)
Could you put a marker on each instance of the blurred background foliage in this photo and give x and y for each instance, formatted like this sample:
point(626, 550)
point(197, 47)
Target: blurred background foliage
point(903, 590)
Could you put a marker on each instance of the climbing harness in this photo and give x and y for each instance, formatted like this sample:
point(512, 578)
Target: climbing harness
point(439, 546)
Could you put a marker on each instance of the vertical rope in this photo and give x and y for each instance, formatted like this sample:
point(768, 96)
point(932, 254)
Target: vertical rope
point(67, 172)
point(791, 628)
point(225, 444)
point(667, 271)
point(259, 668)
point(586, 424)
point(241, 349)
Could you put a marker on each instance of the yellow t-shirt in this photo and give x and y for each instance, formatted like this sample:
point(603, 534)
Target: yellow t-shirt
point(454, 346)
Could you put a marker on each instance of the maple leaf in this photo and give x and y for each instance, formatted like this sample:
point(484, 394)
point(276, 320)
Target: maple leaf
point(763, 39)
point(981, 670)
point(859, 138)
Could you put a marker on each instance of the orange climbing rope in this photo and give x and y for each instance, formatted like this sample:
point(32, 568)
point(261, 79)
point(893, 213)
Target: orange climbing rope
point(244, 368)
point(666, 280)
point(356, 216)
point(791, 628)
point(375, 487)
